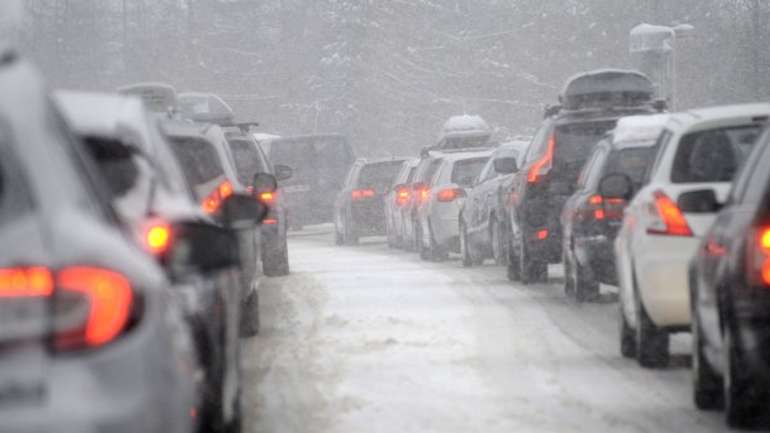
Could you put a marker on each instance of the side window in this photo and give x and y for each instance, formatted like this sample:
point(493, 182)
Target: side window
point(750, 184)
point(587, 167)
point(538, 145)
point(661, 145)
point(488, 172)
point(596, 171)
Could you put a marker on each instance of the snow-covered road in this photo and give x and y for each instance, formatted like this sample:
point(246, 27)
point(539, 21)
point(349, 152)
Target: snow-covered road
point(365, 339)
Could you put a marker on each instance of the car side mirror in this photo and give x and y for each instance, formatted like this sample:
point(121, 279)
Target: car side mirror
point(506, 165)
point(264, 182)
point(660, 105)
point(242, 211)
point(204, 246)
point(699, 201)
point(283, 172)
point(616, 185)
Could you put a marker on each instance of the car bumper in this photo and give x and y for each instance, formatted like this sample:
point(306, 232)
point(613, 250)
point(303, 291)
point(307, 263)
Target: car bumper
point(662, 278)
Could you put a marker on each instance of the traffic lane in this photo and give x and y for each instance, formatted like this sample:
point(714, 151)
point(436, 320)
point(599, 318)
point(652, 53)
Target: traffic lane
point(368, 339)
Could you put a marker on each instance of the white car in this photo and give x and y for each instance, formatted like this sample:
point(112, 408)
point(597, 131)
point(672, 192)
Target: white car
point(662, 226)
point(438, 230)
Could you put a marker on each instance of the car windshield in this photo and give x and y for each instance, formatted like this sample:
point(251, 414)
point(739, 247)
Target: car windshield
point(379, 176)
point(464, 172)
point(373, 216)
point(713, 155)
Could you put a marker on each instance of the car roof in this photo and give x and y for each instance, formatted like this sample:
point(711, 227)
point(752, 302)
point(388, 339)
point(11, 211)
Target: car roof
point(716, 116)
point(459, 156)
point(113, 111)
point(638, 131)
point(369, 161)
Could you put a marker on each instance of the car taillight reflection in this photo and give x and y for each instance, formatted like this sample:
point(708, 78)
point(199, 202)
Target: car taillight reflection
point(213, 201)
point(91, 306)
point(361, 194)
point(758, 257)
point(667, 218)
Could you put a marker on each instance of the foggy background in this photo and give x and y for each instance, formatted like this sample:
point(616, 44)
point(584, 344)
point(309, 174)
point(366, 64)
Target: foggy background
point(388, 73)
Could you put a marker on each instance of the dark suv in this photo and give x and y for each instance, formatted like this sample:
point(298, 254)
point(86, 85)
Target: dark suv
point(591, 105)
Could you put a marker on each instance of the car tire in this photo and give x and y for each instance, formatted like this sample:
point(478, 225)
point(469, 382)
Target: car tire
point(745, 400)
point(419, 244)
point(497, 242)
point(627, 336)
point(275, 262)
point(652, 343)
point(513, 266)
point(586, 288)
point(250, 320)
point(708, 387)
point(350, 236)
point(569, 282)
point(531, 271)
point(338, 237)
point(235, 425)
point(465, 252)
point(436, 252)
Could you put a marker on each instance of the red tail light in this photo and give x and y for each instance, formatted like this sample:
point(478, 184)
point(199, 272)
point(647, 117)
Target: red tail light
point(360, 194)
point(92, 306)
point(667, 218)
point(599, 208)
point(542, 234)
point(213, 201)
point(157, 237)
point(402, 196)
point(267, 197)
point(422, 194)
point(758, 257)
point(535, 171)
point(449, 194)
point(108, 298)
point(25, 282)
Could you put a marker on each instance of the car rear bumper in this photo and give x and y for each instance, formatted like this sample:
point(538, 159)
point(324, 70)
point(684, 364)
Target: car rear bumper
point(662, 277)
point(369, 219)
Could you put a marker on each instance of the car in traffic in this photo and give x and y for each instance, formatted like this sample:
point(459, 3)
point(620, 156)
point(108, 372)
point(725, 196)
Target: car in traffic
point(438, 215)
point(204, 155)
point(89, 336)
point(590, 221)
point(319, 164)
point(397, 200)
point(151, 195)
point(664, 223)
point(359, 209)
point(729, 282)
point(482, 216)
point(591, 104)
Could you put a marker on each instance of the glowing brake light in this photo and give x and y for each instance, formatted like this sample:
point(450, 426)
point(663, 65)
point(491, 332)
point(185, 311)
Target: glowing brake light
point(213, 201)
point(535, 171)
point(758, 257)
point(157, 237)
point(267, 197)
point(402, 196)
point(449, 194)
point(360, 194)
point(25, 282)
point(667, 218)
point(109, 299)
point(424, 195)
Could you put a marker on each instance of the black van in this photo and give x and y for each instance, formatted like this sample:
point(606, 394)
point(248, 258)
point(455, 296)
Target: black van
point(320, 164)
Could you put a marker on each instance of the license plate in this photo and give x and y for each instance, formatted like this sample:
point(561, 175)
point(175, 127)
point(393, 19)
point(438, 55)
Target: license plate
point(296, 188)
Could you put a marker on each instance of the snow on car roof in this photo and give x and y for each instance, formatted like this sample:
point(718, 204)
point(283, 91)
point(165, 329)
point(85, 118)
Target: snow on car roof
point(704, 117)
point(639, 128)
point(464, 124)
point(157, 97)
point(99, 113)
point(263, 136)
point(457, 156)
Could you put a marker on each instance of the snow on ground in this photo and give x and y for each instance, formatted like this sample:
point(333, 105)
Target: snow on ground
point(364, 339)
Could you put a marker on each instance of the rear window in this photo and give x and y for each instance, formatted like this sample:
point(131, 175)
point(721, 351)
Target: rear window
point(714, 155)
point(198, 158)
point(379, 176)
point(466, 171)
point(633, 162)
point(574, 143)
point(116, 163)
point(247, 160)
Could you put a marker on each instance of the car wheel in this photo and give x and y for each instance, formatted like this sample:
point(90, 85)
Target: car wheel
point(745, 402)
point(275, 262)
point(498, 243)
point(707, 384)
point(531, 270)
point(627, 336)
point(351, 238)
point(338, 238)
point(514, 267)
point(235, 425)
point(569, 282)
point(250, 322)
point(651, 342)
point(464, 247)
point(419, 244)
point(436, 252)
point(586, 288)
